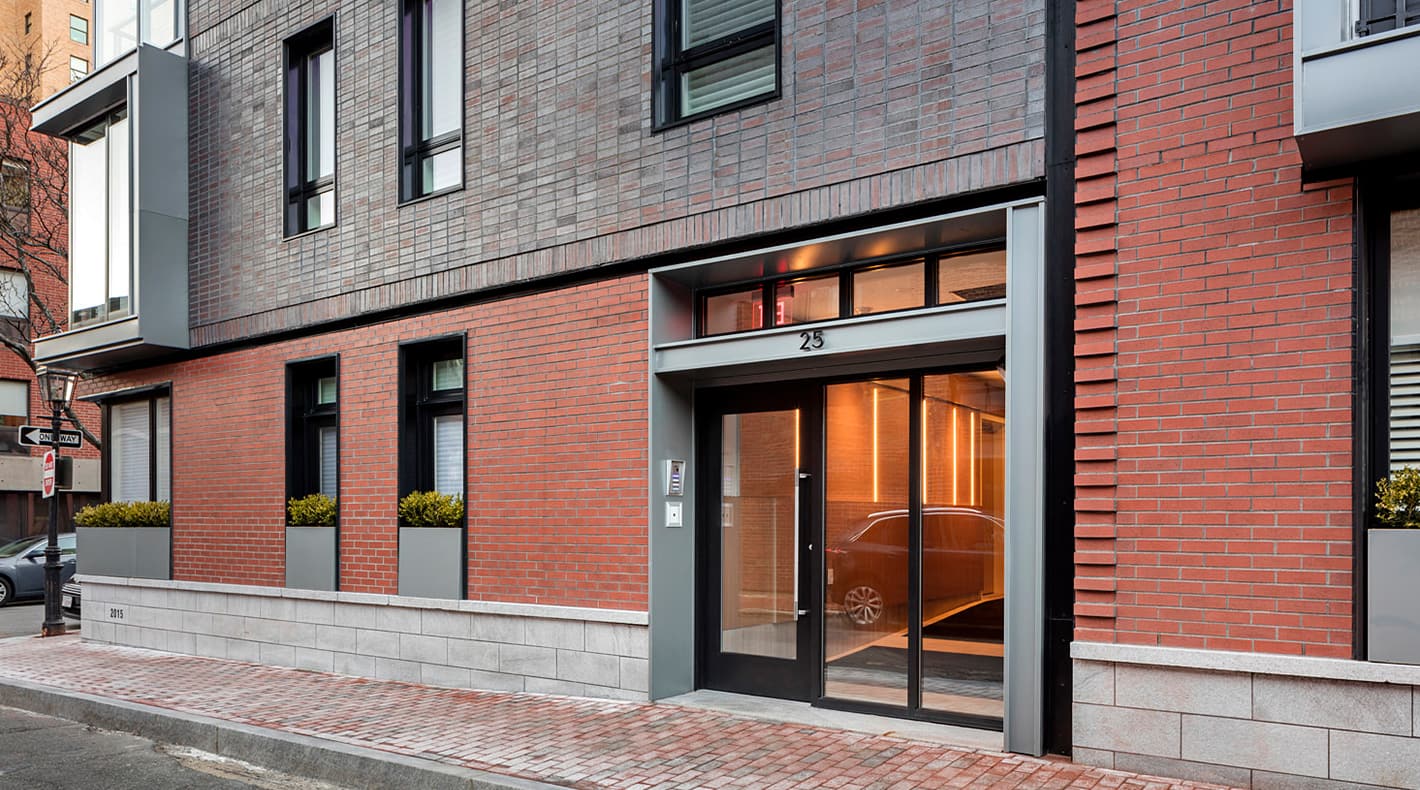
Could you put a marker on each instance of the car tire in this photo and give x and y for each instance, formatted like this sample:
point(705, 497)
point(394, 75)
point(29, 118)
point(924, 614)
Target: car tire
point(7, 591)
point(863, 605)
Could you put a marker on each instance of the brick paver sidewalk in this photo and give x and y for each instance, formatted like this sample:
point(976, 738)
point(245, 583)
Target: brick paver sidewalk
point(561, 740)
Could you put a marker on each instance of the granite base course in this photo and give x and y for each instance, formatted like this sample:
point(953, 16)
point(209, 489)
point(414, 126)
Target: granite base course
point(455, 644)
point(1247, 720)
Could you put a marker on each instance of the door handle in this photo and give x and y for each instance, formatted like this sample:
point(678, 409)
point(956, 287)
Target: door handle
point(803, 612)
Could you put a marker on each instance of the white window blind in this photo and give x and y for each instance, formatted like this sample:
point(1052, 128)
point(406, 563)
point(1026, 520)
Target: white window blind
point(14, 399)
point(128, 455)
point(327, 390)
point(1404, 406)
point(448, 454)
point(329, 458)
point(1404, 339)
point(728, 81)
point(163, 447)
point(707, 20)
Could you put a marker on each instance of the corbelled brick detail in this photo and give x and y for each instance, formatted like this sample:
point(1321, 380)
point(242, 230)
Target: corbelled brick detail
point(1214, 421)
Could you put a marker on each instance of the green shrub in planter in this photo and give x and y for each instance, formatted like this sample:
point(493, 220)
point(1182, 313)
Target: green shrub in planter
point(316, 510)
point(125, 514)
point(1398, 499)
point(431, 509)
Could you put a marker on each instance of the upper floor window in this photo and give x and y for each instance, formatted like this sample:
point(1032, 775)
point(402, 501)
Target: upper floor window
point(122, 24)
point(310, 129)
point(313, 431)
point(78, 67)
point(29, 22)
point(100, 257)
point(716, 55)
point(14, 305)
point(15, 195)
point(14, 409)
point(1380, 16)
point(432, 424)
point(431, 97)
point(78, 29)
point(139, 451)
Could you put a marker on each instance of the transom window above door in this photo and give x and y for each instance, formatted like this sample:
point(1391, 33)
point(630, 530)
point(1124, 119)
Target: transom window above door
point(863, 288)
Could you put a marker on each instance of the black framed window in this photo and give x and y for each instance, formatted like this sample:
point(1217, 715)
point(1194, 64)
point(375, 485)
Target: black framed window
point(431, 97)
point(313, 428)
point(714, 56)
point(432, 417)
point(1381, 16)
point(855, 289)
point(138, 449)
point(310, 129)
point(78, 29)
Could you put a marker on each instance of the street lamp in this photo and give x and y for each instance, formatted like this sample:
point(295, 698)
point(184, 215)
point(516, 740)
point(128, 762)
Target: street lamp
point(56, 385)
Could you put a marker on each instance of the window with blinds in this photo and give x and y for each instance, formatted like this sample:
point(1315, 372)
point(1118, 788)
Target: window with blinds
point(719, 55)
point(1405, 338)
point(312, 428)
point(140, 450)
point(14, 409)
point(432, 407)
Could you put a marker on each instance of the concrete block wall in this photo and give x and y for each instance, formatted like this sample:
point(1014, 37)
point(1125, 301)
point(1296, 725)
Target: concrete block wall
point(458, 644)
point(1247, 720)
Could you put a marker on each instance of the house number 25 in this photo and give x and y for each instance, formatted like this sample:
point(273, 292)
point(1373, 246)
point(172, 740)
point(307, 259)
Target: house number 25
point(811, 341)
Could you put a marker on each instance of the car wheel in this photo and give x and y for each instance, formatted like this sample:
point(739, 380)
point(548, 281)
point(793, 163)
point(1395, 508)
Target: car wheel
point(7, 591)
point(863, 605)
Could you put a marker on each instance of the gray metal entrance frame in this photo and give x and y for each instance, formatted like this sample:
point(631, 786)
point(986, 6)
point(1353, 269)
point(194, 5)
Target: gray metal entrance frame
point(931, 337)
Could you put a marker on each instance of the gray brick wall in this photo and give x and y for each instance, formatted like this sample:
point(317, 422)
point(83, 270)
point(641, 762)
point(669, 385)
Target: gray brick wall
point(885, 104)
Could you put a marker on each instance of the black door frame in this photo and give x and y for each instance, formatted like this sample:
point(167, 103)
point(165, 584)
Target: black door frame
point(794, 679)
point(711, 403)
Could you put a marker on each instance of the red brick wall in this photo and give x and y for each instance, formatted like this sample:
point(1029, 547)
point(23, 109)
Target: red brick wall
point(556, 460)
point(1213, 345)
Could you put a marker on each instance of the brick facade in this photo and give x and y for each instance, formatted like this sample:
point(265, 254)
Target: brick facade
point(1213, 404)
point(884, 105)
point(556, 450)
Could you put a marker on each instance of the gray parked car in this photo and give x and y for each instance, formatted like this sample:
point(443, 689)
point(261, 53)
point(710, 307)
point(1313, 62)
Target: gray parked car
point(22, 566)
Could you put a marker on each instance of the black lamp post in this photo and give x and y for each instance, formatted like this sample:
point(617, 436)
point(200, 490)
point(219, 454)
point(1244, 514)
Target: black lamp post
point(56, 385)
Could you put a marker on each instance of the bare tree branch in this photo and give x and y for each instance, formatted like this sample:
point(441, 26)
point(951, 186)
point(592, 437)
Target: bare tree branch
point(34, 200)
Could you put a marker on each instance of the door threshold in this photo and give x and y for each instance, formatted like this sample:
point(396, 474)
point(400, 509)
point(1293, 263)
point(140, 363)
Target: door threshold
point(789, 712)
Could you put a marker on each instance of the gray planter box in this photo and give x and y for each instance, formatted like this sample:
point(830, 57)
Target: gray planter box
point(1392, 593)
point(133, 552)
point(310, 558)
point(431, 562)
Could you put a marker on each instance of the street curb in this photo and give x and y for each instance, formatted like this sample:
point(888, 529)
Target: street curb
point(300, 755)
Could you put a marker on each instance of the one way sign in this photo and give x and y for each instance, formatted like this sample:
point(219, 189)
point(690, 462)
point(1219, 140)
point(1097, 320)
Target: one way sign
point(39, 436)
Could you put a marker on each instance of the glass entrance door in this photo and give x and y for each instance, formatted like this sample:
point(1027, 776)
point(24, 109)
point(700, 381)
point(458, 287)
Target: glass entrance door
point(853, 544)
point(914, 502)
point(757, 447)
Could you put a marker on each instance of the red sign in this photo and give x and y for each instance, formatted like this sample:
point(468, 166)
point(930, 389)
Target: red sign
point(46, 478)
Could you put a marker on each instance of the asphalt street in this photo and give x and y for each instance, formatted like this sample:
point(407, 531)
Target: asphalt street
point(45, 752)
point(24, 619)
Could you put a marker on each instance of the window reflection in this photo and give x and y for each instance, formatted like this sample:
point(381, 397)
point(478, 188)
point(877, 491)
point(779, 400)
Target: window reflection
point(889, 288)
point(733, 312)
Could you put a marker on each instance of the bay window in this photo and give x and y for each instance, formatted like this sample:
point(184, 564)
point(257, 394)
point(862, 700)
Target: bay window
point(100, 246)
point(122, 25)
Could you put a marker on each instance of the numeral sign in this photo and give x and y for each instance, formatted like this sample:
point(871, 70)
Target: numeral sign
point(811, 341)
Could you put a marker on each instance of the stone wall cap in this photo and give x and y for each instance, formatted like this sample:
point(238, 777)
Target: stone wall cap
point(544, 611)
point(1255, 663)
